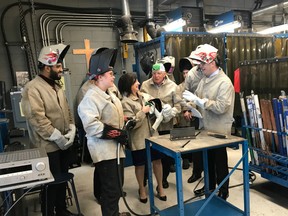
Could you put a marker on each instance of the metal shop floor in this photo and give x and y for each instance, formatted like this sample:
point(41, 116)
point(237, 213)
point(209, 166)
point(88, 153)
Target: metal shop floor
point(266, 198)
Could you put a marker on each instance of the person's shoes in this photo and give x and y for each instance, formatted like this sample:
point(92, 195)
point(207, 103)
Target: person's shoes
point(185, 164)
point(172, 168)
point(162, 198)
point(124, 214)
point(142, 200)
point(200, 191)
point(65, 212)
point(165, 184)
point(193, 178)
point(224, 196)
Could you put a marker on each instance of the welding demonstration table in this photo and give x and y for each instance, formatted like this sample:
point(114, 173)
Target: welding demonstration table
point(212, 204)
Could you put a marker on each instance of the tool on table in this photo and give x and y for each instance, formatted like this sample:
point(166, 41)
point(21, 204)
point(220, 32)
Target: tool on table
point(185, 144)
point(217, 135)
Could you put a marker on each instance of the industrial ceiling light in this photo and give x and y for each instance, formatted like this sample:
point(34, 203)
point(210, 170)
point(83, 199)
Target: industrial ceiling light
point(261, 11)
point(176, 25)
point(274, 29)
point(229, 27)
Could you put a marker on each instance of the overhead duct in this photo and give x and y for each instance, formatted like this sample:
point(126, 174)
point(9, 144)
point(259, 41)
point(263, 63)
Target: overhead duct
point(127, 35)
point(150, 24)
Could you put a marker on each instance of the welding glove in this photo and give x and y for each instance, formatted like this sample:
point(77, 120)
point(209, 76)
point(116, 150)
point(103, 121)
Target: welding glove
point(119, 135)
point(70, 135)
point(59, 139)
point(187, 95)
point(168, 112)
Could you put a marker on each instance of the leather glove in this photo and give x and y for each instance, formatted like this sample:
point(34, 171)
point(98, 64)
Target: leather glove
point(174, 112)
point(167, 109)
point(59, 139)
point(71, 133)
point(192, 97)
point(119, 135)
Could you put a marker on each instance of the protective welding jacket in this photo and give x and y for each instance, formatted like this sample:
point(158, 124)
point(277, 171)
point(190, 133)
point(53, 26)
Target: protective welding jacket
point(218, 112)
point(132, 107)
point(80, 94)
point(96, 109)
point(45, 109)
point(193, 78)
point(167, 93)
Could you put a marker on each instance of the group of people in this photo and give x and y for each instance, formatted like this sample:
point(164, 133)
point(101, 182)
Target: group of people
point(155, 108)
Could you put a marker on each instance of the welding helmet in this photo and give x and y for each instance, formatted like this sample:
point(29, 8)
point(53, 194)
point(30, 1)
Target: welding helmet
point(101, 61)
point(205, 53)
point(51, 55)
point(168, 62)
point(147, 61)
point(185, 64)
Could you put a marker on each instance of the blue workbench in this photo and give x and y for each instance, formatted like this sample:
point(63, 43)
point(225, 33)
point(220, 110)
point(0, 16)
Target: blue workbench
point(212, 204)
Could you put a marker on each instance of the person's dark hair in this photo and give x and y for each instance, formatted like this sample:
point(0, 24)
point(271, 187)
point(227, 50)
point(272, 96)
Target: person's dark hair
point(125, 83)
point(41, 65)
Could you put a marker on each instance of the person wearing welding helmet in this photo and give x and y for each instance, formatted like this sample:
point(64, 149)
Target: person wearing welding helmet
point(86, 84)
point(160, 86)
point(102, 117)
point(214, 97)
point(50, 123)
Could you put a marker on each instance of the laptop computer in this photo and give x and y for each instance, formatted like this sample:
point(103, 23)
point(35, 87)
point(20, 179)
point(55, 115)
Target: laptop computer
point(183, 133)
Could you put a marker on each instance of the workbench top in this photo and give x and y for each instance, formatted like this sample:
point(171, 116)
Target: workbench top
point(201, 141)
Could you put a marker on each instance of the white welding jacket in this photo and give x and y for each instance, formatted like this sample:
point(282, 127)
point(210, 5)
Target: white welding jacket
point(96, 109)
point(218, 110)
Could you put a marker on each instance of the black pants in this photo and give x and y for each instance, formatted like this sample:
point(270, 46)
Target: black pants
point(218, 169)
point(110, 185)
point(59, 163)
point(197, 160)
point(96, 185)
point(166, 161)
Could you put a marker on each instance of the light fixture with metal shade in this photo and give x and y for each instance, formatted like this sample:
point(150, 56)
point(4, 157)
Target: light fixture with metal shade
point(228, 27)
point(175, 25)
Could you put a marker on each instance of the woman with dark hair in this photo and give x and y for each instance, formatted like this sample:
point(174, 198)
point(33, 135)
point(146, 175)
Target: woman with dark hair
point(135, 106)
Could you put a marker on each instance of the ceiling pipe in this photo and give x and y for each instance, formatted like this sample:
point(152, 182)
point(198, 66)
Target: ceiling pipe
point(151, 27)
point(127, 33)
point(87, 24)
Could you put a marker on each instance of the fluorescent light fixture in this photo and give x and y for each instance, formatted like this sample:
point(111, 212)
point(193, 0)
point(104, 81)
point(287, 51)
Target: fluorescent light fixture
point(176, 25)
point(274, 29)
point(260, 11)
point(229, 27)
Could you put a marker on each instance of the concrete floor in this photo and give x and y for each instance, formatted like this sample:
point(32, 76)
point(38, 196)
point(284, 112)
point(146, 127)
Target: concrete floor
point(266, 198)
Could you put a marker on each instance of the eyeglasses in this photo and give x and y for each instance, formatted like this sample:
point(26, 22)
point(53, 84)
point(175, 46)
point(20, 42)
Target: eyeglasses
point(204, 63)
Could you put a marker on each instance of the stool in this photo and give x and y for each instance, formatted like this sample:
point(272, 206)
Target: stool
point(65, 177)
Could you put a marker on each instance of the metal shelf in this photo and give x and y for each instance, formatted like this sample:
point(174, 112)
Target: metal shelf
point(211, 205)
point(217, 207)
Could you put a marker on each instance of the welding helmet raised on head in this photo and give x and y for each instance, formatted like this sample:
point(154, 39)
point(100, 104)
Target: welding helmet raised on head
point(205, 53)
point(185, 64)
point(51, 55)
point(168, 62)
point(101, 61)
